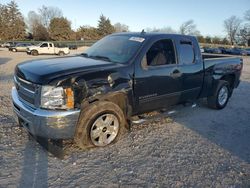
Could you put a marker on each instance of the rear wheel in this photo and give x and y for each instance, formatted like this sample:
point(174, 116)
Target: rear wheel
point(220, 98)
point(61, 53)
point(14, 50)
point(100, 124)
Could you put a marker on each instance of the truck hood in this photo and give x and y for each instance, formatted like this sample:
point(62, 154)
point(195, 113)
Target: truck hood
point(44, 71)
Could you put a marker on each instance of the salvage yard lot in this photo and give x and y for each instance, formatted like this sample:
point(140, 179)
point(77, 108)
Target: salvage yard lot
point(195, 147)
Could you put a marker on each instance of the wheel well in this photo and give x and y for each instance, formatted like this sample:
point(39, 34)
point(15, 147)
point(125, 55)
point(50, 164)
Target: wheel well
point(119, 99)
point(230, 78)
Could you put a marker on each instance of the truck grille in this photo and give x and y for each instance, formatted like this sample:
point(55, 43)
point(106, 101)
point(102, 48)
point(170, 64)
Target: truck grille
point(27, 91)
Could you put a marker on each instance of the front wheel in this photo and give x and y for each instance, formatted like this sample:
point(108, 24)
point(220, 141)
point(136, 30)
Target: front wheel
point(100, 124)
point(34, 52)
point(220, 98)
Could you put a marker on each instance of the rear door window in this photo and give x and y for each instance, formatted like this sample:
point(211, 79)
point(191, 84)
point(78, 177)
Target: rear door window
point(186, 52)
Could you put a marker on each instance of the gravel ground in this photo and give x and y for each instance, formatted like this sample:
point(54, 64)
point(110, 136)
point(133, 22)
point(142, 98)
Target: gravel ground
point(195, 147)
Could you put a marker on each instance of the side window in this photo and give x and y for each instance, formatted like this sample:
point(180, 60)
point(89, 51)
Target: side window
point(186, 52)
point(50, 45)
point(44, 45)
point(161, 53)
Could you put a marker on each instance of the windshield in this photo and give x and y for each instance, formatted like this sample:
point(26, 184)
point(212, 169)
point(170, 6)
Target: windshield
point(118, 49)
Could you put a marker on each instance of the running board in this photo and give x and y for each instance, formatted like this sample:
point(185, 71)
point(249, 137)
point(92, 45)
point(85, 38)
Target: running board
point(162, 113)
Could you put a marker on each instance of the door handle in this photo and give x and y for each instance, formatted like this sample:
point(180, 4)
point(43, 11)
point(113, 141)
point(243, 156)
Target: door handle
point(175, 73)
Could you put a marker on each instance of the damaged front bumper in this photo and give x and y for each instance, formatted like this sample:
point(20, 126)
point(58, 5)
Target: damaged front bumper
point(52, 124)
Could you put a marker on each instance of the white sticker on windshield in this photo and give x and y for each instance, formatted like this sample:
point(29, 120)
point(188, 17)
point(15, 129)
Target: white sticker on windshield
point(137, 39)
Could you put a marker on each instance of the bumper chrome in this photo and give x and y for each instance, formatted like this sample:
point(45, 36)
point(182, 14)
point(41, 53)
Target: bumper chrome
point(52, 124)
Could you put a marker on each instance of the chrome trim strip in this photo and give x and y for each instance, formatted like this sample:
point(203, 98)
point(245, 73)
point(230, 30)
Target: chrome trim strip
point(20, 85)
point(25, 81)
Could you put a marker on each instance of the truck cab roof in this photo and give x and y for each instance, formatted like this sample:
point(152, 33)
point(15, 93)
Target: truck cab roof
point(153, 34)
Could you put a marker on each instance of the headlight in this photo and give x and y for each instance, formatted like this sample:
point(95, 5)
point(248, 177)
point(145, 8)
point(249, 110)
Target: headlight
point(57, 98)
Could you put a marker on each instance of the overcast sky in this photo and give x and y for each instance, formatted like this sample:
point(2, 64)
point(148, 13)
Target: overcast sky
point(141, 14)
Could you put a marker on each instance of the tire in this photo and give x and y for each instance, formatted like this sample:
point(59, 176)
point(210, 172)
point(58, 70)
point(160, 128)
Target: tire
point(61, 53)
point(14, 50)
point(221, 96)
point(34, 52)
point(89, 133)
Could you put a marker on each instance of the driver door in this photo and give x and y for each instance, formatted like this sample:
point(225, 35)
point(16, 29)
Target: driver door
point(43, 48)
point(158, 81)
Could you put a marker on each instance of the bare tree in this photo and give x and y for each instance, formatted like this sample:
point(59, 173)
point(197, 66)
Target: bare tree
point(33, 21)
point(247, 27)
point(247, 15)
point(162, 30)
point(121, 27)
point(48, 13)
point(243, 36)
point(232, 26)
point(189, 28)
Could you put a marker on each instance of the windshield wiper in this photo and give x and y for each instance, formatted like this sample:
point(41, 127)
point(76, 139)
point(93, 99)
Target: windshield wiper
point(100, 57)
point(84, 54)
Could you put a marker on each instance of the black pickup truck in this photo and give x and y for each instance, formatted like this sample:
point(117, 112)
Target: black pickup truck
point(91, 97)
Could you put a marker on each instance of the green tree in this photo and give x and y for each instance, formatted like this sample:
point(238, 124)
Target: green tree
point(216, 40)
point(208, 39)
point(225, 41)
point(40, 32)
point(12, 24)
point(87, 33)
point(60, 29)
point(104, 26)
point(201, 39)
point(3, 22)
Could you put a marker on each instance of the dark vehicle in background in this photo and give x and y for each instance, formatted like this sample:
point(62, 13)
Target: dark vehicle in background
point(212, 50)
point(247, 50)
point(73, 47)
point(225, 50)
point(207, 50)
point(93, 96)
point(238, 51)
point(20, 47)
point(8, 44)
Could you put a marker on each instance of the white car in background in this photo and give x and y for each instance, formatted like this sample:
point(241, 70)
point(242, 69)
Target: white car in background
point(202, 49)
point(20, 47)
point(47, 48)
